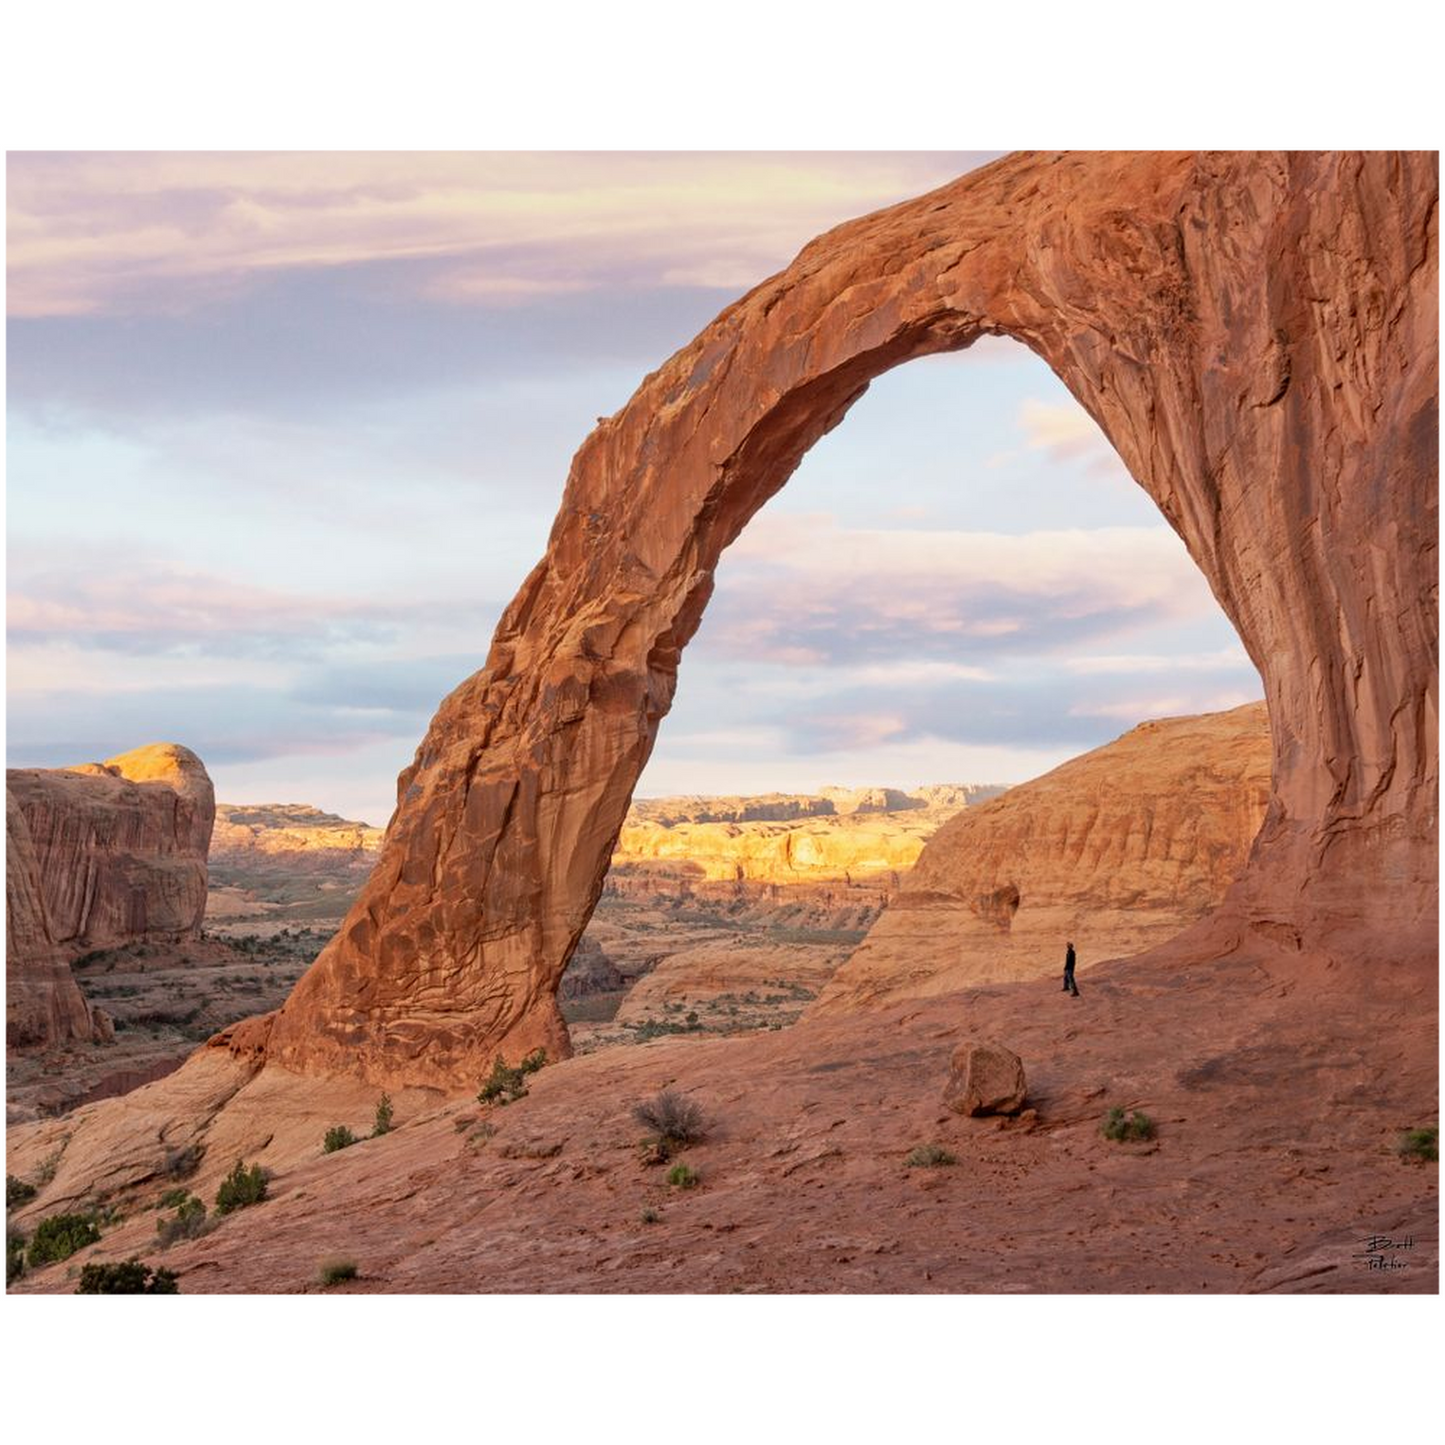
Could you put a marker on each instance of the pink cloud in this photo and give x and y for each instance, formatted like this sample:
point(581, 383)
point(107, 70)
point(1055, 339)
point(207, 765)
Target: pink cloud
point(87, 231)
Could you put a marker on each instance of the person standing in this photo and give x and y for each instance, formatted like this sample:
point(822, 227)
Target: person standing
point(1069, 985)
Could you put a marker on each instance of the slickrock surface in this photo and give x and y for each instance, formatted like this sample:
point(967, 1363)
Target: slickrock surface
point(121, 846)
point(1257, 336)
point(101, 855)
point(1278, 1105)
point(1117, 850)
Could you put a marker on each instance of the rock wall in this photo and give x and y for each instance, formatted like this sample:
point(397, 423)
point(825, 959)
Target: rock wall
point(43, 1004)
point(120, 846)
point(1116, 850)
point(1257, 336)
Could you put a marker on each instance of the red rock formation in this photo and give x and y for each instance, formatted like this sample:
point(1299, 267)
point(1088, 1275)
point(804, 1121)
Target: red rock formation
point(120, 846)
point(43, 1004)
point(1118, 850)
point(1257, 336)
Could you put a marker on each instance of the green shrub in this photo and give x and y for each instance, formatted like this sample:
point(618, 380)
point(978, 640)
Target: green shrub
point(188, 1222)
point(1137, 1126)
point(18, 1192)
point(673, 1117)
point(929, 1156)
point(333, 1271)
point(383, 1117)
point(60, 1236)
point(337, 1137)
point(241, 1187)
point(128, 1277)
point(507, 1085)
point(14, 1257)
point(174, 1198)
point(1420, 1144)
point(681, 1177)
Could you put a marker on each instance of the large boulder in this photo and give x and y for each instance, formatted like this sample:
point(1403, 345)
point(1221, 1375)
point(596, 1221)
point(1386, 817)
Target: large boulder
point(984, 1078)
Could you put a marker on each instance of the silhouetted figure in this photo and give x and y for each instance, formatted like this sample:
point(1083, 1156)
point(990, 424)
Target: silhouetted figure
point(1069, 985)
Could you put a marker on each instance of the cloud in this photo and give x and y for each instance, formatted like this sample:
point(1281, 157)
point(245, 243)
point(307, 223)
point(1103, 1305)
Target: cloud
point(164, 607)
point(126, 231)
point(805, 588)
point(1068, 433)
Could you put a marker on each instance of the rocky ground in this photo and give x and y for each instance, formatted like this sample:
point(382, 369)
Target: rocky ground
point(1273, 1168)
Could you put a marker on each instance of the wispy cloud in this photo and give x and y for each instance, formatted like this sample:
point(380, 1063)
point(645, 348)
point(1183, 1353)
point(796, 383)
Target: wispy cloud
point(807, 589)
point(112, 231)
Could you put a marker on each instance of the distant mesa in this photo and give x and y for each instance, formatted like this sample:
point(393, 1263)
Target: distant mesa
point(288, 828)
point(101, 855)
point(844, 835)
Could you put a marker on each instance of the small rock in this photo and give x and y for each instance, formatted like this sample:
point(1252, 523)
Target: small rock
point(986, 1078)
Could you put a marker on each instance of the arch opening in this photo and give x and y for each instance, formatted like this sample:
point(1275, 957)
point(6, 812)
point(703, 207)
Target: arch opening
point(958, 588)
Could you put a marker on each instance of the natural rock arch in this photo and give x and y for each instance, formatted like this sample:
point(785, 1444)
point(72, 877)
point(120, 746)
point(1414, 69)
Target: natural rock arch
point(1256, 334)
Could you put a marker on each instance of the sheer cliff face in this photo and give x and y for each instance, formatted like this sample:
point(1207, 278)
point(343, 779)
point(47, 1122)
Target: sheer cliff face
point(120, 846)
point(1115, 851)
point(1256, 334)
point(43, 1004)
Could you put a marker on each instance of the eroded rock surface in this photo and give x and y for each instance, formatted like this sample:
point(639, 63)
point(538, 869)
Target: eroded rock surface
point(1116, 851)
point(100, 856)
point(121, 846)
point(1257, 336)
point(43, 1004)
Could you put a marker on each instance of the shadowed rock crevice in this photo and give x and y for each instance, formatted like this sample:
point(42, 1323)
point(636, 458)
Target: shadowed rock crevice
point(1256, 335)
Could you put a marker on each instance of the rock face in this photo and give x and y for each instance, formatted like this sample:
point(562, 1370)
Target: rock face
point(984, 1078)
point(1117, 850)
point(43, 1004)
point(121, 846)
point(1257, 336)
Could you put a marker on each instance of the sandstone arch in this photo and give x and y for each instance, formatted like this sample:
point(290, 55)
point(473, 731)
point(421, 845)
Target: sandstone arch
point(1256, 334)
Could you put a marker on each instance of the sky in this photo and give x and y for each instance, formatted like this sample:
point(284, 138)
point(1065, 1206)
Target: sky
point(286, 431)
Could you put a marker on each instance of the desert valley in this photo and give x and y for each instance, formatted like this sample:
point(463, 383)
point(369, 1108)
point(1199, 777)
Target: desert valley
point(542, 1033)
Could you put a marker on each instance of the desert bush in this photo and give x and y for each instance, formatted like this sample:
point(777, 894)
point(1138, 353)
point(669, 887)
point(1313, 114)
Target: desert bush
point(672, 1116)
point(174, 1198)
point(188, 1222)
point(929, 1156)
point(1421, 1143)
point(506, 1085)
point(18, 1192)
point(1137, 1126)
point(681, 1177)
point(183, 1162)
point(49, 1165)
point(241, 1187)
point(128, 1277)
point(650, 1216)
point(337, 1137)
point(333, 1271)
point(59, 1236)
point(383, 1117)
point(14, 1257)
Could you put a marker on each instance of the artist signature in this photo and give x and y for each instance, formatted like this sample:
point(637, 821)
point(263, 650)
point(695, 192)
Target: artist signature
point(1379, 1251)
